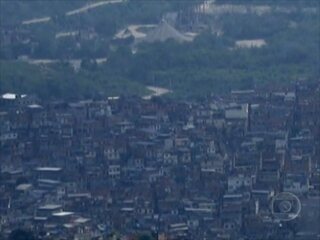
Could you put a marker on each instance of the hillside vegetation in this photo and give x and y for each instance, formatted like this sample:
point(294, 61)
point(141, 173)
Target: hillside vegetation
point(59, 81)
point(209, 64)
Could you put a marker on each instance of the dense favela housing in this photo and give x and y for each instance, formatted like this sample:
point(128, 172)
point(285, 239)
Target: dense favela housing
point(132, 168)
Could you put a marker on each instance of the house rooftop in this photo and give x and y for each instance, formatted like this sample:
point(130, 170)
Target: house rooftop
point(12, 96)
point(62, 214)
point(48, 169)
point(81, 220)
point(23, 187)
point(50, 207)
point(48, 181)
point(35, 106)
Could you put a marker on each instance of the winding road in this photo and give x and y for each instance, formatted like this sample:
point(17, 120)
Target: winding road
point(73, 12)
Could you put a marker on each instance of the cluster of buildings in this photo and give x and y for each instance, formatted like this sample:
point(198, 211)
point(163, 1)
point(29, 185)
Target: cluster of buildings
point(205, 169)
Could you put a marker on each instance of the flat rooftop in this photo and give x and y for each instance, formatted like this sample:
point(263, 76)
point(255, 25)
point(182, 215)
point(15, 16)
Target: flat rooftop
point(48, 169)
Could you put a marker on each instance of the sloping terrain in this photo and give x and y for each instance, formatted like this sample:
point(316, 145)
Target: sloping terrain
point(59, 81)
point(222, 57)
